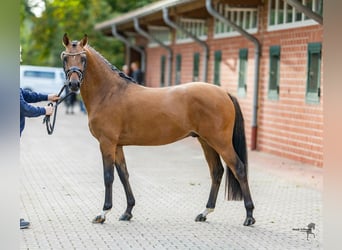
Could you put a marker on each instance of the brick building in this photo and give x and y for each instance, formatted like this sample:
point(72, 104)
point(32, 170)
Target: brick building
point(265, 52)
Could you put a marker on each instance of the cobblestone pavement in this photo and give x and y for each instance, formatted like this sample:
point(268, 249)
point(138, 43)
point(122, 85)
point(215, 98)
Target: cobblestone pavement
point(62, 191)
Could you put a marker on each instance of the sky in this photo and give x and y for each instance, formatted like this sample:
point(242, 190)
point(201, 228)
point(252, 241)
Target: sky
point(37, 7)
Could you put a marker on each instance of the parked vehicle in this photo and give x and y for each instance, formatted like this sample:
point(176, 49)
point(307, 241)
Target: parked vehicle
point(41, 79)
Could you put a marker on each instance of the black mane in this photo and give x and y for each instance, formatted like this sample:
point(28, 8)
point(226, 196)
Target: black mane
point(113, 68)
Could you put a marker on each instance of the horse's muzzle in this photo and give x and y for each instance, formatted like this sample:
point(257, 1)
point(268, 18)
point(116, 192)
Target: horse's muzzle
point(74, 85)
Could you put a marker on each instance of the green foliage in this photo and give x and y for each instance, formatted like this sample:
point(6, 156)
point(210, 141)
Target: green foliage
point(41, 37)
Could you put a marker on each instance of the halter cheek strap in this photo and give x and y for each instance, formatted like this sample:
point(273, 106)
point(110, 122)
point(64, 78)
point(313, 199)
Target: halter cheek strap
point(73, 69)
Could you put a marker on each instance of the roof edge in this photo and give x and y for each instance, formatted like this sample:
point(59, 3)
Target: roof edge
point(143, 11)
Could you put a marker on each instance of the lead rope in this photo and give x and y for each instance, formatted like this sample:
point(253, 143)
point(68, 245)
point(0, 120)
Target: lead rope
point(50, 127)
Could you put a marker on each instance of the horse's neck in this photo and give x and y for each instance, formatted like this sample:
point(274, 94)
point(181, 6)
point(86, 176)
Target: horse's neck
point(99, 81)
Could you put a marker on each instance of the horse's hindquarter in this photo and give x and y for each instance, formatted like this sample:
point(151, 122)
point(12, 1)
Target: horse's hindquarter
point(157, 116)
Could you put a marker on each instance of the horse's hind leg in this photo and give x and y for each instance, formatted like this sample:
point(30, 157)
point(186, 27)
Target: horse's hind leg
point(120, 164)
point(216, 172)
point(239, 174)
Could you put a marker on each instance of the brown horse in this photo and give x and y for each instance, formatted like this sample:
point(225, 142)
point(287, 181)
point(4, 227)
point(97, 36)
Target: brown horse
point(121, 113)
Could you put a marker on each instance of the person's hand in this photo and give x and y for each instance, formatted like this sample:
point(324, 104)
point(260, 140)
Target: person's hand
point(49, 110)
point(53, 97)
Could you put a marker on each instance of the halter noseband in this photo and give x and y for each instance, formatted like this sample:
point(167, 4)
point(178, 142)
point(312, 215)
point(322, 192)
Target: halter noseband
point(73, 69)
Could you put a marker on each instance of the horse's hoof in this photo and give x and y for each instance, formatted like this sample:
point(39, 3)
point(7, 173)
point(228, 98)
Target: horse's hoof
point(99, 219)
point(249, 221)
point(126, 217)
point(201, 218)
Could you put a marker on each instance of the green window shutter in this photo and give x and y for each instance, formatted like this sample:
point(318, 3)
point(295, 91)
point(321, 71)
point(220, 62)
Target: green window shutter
point(242, 82)
point(196, 67)
point(178, 68)
point(313, 91)
point(273, 85)
point(217, 67)
point(162, 71)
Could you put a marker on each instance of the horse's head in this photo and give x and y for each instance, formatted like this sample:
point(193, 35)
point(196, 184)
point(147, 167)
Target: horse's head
point(74, 61)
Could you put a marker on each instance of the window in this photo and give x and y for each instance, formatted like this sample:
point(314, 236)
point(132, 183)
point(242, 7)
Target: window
point(162, 71)
point(217, 67)
point(246, 18)
point(242, 85)
point(197, 27)
point(39, 74)
point(178, 68)
point(313, 90)
point(273, 86)
point(282, 15)
point(161, 33)
point(195, 74)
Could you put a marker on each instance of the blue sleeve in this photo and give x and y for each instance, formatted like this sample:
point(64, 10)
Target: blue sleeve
point(28, 110)
point(31, 97)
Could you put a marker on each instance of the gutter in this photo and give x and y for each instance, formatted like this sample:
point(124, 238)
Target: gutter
point(130, 45)
point(308, 12)
point(151, 38)
point(257, 49)
point(205, 47)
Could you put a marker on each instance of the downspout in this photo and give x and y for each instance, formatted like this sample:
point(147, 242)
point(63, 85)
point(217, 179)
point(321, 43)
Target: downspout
point(308, 12)
point(257, 50)
point(149, 37)
point(205, 47)
point(130, 45)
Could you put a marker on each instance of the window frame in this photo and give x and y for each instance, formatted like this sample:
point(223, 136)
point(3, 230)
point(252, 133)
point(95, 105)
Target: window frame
point(274, 57)
point(243, 70)
point(217, 67)
point(313, 96)
point(281, 7)
point(196, 65)
point(162, 70)
point(197, 27)
point(246, 18)
point(178, 69)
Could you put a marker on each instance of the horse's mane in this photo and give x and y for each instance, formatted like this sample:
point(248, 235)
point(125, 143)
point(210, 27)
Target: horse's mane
point(113, 68)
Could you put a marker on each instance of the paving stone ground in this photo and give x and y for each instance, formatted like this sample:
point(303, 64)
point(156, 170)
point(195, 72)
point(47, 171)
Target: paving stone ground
point(62, 191)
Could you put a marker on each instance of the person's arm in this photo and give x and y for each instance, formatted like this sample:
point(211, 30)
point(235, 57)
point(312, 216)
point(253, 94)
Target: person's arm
point(30, 96)
point(29, 110)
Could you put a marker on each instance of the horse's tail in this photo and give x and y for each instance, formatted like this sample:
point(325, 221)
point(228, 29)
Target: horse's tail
point(233, 189)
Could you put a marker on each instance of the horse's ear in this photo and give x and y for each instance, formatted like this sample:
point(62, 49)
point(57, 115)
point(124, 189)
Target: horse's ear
point(84, 41)
point(66, 40)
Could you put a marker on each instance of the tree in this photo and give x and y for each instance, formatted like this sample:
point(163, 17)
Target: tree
point(41, 37)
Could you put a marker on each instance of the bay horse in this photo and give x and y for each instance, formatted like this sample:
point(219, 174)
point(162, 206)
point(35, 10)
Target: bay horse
point(121, 112)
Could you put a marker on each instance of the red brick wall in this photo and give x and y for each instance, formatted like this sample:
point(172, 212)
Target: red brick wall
point(290, 127)
point(287, 127)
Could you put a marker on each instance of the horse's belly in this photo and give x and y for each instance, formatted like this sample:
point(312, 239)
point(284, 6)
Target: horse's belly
point(153, 136)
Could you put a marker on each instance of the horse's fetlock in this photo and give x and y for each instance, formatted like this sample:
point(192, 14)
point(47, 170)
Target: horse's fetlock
point(249, 205)
point(107, 206)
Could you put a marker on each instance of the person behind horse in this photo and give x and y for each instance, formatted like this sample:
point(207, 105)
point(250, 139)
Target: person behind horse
point(125, 69)
point(137, 74)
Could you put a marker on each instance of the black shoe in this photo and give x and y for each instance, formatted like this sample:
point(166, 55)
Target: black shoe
point(24, 224)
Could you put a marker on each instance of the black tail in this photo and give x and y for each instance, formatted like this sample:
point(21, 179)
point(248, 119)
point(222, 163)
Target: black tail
point(233, 189)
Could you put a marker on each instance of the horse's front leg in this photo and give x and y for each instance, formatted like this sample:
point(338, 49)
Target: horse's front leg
point(108, 157)
point(120, 164)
